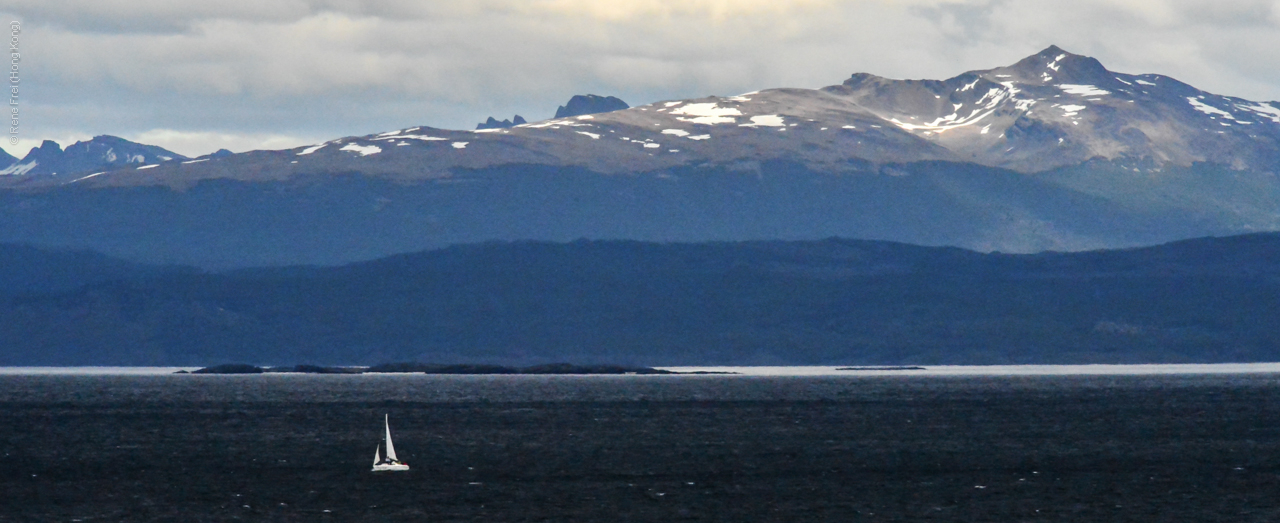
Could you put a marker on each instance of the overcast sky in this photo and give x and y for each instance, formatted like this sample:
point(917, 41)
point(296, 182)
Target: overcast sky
point(264, 74)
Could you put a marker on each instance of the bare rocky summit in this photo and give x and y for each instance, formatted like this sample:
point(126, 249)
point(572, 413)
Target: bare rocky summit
point(1050, 110)
point(102, 153)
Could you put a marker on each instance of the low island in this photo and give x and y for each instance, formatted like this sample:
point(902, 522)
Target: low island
point(432, 368)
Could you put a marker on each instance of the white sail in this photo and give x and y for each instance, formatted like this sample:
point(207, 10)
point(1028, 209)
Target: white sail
point(387, 462)
point(391, 450)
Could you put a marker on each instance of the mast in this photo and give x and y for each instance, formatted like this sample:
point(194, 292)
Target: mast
point(391, 450)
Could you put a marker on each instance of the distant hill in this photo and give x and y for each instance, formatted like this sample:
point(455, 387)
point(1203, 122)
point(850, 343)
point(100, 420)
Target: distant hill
point(335, 220)
point(25, 269)
point(835, 302)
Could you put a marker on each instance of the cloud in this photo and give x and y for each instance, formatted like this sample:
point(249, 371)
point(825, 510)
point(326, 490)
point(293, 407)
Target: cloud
point(716, 11)
point(188, 143)
point(151, 16)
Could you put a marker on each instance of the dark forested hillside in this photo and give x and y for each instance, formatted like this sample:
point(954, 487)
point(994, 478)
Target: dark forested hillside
point(334, 220)
point(823, 302)
point(30, 269)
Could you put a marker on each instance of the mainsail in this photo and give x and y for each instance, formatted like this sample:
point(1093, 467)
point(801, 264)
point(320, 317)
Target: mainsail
point(391, 449)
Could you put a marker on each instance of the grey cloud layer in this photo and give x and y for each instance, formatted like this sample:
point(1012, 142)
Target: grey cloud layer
point(314, 69)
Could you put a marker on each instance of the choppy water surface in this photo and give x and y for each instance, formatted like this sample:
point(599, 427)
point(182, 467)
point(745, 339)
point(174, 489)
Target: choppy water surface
point(807, 444)
point(150, 384)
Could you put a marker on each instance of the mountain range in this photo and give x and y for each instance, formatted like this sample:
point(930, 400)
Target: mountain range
point(101, 154)
point(1054, 152)
point(825, 302)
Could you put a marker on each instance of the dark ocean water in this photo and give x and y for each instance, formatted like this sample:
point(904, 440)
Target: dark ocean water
point(1182, 447)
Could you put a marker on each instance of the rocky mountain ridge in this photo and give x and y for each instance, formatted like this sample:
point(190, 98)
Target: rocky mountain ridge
point(585, 104)
point(1050, 110)
point(1057, 109)
point(98, 155)
point(494, 123)
point(1054, 152)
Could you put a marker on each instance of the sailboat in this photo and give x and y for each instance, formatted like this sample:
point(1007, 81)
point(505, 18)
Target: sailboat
point(389, 462)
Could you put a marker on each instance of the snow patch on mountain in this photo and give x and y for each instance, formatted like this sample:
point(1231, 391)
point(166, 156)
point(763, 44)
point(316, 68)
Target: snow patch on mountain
point(1266, 111)
point(676, 132)
point(991, 99)
point(765, 120)
point(363, 150)
point(312, 149)
point(1070, 111)
point(1083, 90)
point(422, 137)
point(19, 168)
point(1208, 109)
point(555, 124)
point(1054, 64)
point(707, 113)
point(87, 177)
point(945, 123)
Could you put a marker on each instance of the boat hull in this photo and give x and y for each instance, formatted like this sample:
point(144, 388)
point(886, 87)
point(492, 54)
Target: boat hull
point(390, 467)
